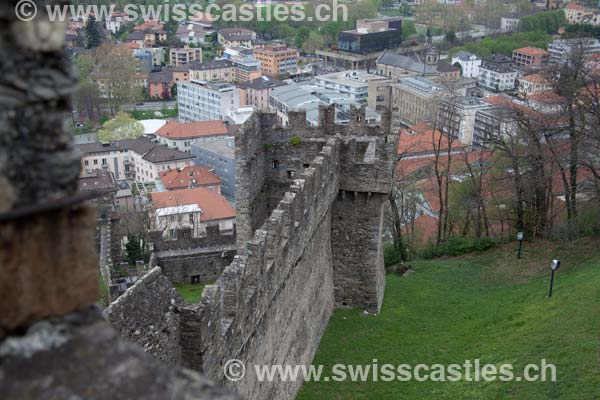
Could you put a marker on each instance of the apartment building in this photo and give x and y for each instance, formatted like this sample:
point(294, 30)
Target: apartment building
point(215, 70)
point(277, 59)
point(256, 92)
point(533, 84)
point(184, 56)
point(191, 210)
point(236, 37)
point(206, 101)
point(134, 159)
point(415, 100)
point(181, 135)
point(530, 56)
point(497, 76)
point(565, 50)
point(354, 84)
point(456, 117)
point(469, 63)
point(219, 155)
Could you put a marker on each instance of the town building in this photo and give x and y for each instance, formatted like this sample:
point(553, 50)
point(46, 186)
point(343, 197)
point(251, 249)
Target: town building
point(566, 50)
point(181, 136)
point(191, 177)
point(530, 56)
point(205, 101)
point(184, 56)
point(456, 116)
point(214, 70)
point(134, 159)
point(219, 155)
point(277, 59)
point(497, 76)
point(415, 100)
point(533, 84)
point(256, 92)
point(295, 97)
point(469, 63)
point(578, 14)
point(397, 66)
point(236, 37)
point(102, 182)
point(372, 35)
point(192, 34)
point(354, 84)
point(191, 210)
point(512, 22)
point(114, 21)
point(160, 84)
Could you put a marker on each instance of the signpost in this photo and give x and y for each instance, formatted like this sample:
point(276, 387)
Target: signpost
point(520, 239)
point(555, 265)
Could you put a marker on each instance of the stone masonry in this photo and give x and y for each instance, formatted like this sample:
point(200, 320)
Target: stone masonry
point(54, 343)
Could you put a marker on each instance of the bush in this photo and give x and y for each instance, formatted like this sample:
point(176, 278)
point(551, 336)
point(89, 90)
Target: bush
point(456, 246)
point(391, 256)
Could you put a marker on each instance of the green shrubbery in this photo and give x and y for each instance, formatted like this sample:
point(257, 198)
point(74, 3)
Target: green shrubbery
point(456, 246)
point(391, 255)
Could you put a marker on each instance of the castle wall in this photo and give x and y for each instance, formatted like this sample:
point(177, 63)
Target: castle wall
point(179, 266)
point(146, 315)
point(357, 220)
point(272, 304)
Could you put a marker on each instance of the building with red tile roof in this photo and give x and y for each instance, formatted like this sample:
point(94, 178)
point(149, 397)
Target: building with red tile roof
point(530, 56)
point(190, 209)
point(191, 177)
point(416, 142)
point(183, 134)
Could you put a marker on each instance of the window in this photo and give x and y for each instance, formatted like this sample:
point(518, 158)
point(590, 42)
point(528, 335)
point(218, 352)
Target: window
point(275, 164)
point(172, 233)
point(291, 174)
point(104, 161)
point(87, 162)
point(191, 217)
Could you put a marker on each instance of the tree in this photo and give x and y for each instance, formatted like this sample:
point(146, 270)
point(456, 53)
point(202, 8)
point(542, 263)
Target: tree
point(87, 100)
point(122, 127)
point(116, 71)
point(301, 35)
point(450, 37)
point(134, 250)
point(313, 42)
point(93, 33)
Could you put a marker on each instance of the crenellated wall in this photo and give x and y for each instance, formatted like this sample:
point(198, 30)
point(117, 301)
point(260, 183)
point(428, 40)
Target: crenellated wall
point(309, 219)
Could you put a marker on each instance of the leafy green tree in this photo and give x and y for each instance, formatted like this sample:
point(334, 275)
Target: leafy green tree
point(313, 42)
point(134, 250)
point(122, 127)
point(301, 36)
point(93, 33)
point(450, 37)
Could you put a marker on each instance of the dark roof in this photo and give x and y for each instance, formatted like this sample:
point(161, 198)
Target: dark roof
point(405, 62)
point(213, 64)
point(149, 150)
point(236, 34)
point(98, 180)
point(443, 66)
point(164, 76)
point(161, 154)
point(136, 35)
point(261, 83)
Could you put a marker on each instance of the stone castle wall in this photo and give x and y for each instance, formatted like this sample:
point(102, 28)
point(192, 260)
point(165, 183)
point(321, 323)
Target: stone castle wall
point(147, 314)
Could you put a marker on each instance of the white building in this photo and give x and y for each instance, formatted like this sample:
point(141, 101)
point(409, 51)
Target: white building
point(115, 21)
point(181, 136)
point(205, 101)
point(469, 63)
point(190, 209)
point(138, 159)
point(354, 84)
point(563, 50)
point(497, 77)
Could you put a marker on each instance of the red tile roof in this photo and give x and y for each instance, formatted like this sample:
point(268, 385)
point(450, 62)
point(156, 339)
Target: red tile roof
point(548, 97)
point(424, 141)
point(535, 78)
point(531, 51)
point(575, 6)
point(213, 205)
point(179, 130)
point(198, 175)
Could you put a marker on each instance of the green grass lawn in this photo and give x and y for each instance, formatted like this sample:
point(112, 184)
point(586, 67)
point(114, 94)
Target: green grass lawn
point(489, 306)
point(191, 293)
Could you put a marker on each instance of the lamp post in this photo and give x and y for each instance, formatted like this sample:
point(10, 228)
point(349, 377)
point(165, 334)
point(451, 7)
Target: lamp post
point(520, 239)
point(555, 265)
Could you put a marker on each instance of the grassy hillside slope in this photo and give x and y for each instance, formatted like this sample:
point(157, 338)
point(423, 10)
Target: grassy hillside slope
point(489, 306)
